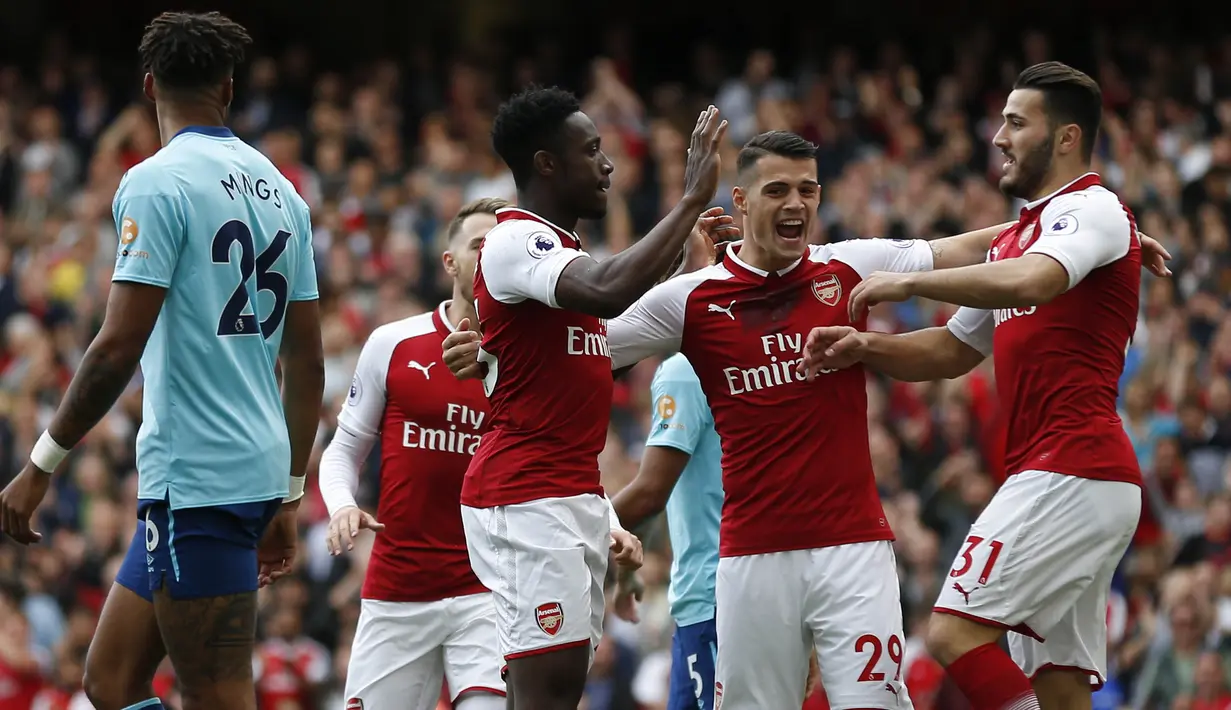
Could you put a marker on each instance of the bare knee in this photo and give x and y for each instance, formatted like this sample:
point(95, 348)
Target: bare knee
point(951, 637)
point(111, 691)
point(1063, 689)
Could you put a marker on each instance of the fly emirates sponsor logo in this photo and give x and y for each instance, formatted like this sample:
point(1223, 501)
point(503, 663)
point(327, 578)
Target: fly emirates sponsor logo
point(785, 354)
point(583, 342)
point(461, 437)
point(1003, 314)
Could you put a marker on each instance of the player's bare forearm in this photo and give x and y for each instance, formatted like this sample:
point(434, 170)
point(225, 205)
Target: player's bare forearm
point(1029, 280)
point(647, 494)
point(303, 380)
point(104, 373)
point(920, 356)
point(109, 362)
point(964, 249)
point(607, 288)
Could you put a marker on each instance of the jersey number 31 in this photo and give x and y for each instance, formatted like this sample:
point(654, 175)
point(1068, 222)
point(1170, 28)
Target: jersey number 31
point(233, 320)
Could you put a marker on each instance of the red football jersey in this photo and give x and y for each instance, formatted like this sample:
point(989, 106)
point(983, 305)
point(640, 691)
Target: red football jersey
point(548, 370)
point(287, 673)
point(1058, 365)
point(796, 467)
point(430, 425)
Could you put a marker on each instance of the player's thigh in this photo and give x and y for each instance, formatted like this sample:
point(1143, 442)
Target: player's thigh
point(538, 567)
point(397, 655)
point(854, 610)
point(127, 647)
point(1036, 548)
point(472, 660)
point(763, 642)
point(694, 654)
point(202, 564)
point(1077, 642)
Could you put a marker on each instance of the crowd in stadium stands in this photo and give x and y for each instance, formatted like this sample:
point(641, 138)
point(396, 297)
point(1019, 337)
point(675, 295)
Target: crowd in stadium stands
point(385, 158)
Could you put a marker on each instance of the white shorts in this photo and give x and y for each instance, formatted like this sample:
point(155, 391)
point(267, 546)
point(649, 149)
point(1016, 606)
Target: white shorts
point(1039, 561)
point(403, 651)
point(545, 562)
point(773, 608)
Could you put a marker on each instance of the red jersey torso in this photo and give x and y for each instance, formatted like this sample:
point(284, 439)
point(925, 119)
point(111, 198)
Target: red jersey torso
point(548, 370)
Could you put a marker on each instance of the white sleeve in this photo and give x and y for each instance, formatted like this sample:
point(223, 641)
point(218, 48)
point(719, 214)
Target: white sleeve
point(975, 327)
point(520, 263)
point(339, 474)
point(653, 325)
point(868, 255)
point(358, 422)
point(1083, 232)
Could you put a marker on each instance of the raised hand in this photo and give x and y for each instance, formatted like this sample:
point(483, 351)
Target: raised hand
point(461, 352)
point(713, 227)
point(704, 163)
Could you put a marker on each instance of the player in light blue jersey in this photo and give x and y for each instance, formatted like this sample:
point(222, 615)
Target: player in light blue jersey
point(683, 449)
point(214, 286)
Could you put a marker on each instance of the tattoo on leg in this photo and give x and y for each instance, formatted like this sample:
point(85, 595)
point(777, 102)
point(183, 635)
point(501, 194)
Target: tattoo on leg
point(209, 640)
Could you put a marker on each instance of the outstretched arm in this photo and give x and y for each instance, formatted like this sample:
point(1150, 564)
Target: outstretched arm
point(606, 288)
point(965, 249)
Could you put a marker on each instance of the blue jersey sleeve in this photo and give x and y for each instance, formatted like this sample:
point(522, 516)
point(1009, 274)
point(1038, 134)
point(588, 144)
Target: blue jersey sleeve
point(152, 229)
point(304, 286)
point(681, 414)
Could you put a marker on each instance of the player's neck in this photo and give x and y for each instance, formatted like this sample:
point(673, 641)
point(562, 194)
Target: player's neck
point(459, 308)
point(173, 118)
point(1058, 179)
point(544, 207)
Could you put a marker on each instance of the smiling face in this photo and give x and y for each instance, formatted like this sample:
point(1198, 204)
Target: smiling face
point(579, 169)
point(779, 197)
point(1028, 140)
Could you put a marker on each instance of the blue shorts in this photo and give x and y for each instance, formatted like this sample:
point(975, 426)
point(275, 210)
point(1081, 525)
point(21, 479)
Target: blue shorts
point(195, 552)
point(694, 650)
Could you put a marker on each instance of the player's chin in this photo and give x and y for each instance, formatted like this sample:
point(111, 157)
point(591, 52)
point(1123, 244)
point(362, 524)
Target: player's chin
point(791, 240)
point(595, 208)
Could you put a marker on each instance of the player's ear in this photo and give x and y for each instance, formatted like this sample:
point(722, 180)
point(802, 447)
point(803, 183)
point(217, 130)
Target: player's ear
point(147, 86)
point(1069, 140)
point(739, 199)
point(450, 264)
point(544, 163)
point(228, 92)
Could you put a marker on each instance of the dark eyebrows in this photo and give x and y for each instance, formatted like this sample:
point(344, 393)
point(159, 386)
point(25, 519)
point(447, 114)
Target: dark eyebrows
point(780, 184)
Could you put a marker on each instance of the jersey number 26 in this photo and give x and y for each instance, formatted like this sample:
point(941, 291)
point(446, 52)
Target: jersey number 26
point(233, 320)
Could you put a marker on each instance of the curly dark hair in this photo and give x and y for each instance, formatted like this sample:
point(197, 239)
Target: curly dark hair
point(189, 51)
point(528, 123)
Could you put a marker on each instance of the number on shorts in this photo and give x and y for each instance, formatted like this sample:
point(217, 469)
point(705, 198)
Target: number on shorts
point(696, 677)
point(967, 561)
point(893, 647)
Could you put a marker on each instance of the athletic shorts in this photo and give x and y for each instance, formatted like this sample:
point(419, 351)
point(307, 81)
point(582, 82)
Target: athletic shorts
point(694, 651)
point(1039, 561)
point(545, 562)
point(774, 608)
point(195, 552)
point(402, 651)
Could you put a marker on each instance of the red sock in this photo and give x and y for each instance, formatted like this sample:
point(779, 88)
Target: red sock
point(990, 680)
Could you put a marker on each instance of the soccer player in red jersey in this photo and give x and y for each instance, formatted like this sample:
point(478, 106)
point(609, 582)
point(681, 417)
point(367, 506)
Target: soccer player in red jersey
point(805, 554)
point(538, 524)
point(424, 617)
point(1056, 303)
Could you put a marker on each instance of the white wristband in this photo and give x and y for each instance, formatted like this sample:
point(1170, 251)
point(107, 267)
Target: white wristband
point(297, 486)
point(47, 454)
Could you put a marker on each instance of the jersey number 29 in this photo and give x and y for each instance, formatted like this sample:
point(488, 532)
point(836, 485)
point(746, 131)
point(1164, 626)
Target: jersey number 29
point(233, 320)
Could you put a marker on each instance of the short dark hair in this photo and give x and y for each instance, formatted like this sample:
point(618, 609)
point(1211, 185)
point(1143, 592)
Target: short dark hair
point(783, 143)
point(528, 123)
point(483, 205)
point(190, 51)
point(1069, 96)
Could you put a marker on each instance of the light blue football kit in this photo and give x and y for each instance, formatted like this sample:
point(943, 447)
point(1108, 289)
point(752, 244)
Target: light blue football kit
point(682, 420)
point(211, 220)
